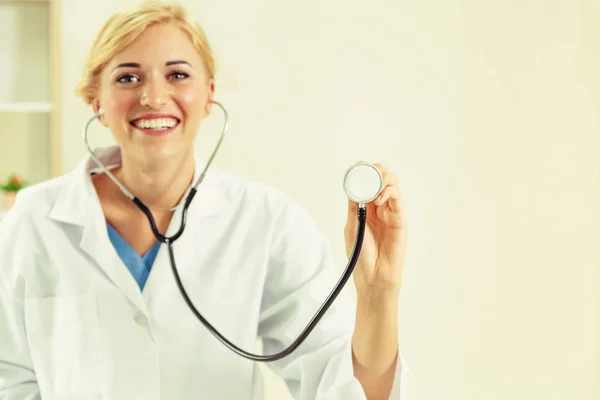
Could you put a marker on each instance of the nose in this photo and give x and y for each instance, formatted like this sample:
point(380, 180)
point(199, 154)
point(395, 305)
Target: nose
point(155, 93)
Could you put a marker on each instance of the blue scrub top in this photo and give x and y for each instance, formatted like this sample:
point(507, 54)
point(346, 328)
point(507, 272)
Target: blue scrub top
point(138, 266)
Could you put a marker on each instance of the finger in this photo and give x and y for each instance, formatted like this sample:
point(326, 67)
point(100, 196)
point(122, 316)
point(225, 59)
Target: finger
point(392, 196)
point(352, 207)
point(385, 194)
point(389, 179)
point(351, 220)
point(382, 168)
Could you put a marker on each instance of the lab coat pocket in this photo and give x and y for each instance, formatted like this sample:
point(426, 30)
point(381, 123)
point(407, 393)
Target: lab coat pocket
point(63, 334)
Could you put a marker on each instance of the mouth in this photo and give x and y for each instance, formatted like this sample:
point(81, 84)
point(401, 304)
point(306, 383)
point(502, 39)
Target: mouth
point(155, 125)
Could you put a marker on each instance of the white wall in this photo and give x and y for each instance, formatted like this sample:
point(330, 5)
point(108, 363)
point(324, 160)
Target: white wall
point(24, 53)
point(487, 111)
point(24, 63)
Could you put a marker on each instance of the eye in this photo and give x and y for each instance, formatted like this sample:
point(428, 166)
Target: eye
point(128, 79)
point(178, 75)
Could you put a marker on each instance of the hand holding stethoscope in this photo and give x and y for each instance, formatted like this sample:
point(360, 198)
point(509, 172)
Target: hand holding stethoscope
point(379, 266)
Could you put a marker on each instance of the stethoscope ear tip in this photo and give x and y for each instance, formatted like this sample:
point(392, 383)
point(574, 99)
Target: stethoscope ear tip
point(100, 112)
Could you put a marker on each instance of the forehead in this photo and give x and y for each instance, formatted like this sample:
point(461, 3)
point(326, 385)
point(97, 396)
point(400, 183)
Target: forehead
point(157, 44)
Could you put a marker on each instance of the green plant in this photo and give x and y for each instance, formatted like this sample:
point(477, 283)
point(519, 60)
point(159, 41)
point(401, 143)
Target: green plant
point(14, 183)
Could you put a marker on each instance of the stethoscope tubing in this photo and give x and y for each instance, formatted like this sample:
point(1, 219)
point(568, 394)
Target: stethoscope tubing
point(169, 240)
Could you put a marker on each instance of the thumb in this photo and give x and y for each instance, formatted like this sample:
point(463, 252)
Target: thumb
point(352, 209)
point(351, 226)
point(351, 219)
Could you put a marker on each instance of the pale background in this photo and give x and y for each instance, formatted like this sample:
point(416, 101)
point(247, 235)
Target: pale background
point(488, 112)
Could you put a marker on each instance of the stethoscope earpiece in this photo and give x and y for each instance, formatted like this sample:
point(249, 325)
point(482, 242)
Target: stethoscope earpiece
point(363, 182)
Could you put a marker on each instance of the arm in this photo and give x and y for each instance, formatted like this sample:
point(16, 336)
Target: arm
point(17, 378)
point(301, 275)
point(377, 278)
point(375, 345)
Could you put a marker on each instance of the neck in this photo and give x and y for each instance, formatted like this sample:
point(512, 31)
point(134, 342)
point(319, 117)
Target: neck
point(160, 186)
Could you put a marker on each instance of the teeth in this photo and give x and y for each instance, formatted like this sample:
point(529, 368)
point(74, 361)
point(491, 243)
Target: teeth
point(156, 123)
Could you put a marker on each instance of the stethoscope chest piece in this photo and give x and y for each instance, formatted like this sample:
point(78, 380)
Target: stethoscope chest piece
point(363, 182)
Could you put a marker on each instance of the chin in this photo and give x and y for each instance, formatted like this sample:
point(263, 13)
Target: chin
point(163, 152)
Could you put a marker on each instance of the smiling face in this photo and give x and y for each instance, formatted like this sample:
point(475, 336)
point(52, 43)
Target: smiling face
point(154, 94)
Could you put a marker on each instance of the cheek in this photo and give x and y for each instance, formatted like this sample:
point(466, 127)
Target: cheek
point(192, 101)
point(117, 106)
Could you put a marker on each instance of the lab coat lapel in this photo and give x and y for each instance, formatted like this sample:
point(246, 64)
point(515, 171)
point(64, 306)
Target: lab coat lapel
point(209, 201)
point(161, 269)
point(78, 205)
point(96, 243)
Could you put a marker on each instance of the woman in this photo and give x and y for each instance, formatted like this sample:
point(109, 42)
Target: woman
point(89, 308)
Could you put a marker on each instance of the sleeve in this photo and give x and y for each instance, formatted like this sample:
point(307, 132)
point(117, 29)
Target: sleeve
point(301, 275)
point(17, 377)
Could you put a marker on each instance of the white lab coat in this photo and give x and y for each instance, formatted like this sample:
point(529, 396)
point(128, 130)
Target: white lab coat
point(74, 324)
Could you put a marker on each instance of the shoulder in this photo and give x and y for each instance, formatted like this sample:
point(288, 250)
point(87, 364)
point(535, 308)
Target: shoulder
point(37, 199)
point(260, 207)
point(19, 233)
point(261, 199)
point(239, 188)
point(30, 211)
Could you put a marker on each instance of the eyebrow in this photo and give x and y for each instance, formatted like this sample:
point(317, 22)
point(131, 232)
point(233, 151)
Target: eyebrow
point(137, 65)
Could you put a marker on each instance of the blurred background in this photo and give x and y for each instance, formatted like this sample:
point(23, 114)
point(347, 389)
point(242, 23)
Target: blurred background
point(487, 111)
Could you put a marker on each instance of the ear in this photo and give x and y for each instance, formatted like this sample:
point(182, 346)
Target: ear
point(96, 108)
point(211, 95)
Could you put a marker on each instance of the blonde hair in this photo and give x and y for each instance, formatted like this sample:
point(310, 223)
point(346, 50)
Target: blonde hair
point(123, 28)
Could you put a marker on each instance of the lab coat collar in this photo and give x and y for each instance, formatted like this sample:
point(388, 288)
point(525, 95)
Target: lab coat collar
point(79, 196)
point(78, 205)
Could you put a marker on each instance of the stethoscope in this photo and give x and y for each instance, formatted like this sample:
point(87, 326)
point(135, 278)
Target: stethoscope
point(363, 182)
